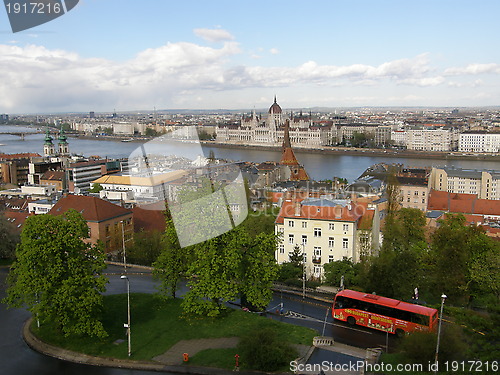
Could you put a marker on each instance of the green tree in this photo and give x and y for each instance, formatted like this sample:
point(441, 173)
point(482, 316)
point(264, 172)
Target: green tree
point(96, 188)
point(399, 266)
point(466, 260)
point(173, 261)
point(57, 276)
point(150, 132)
point(8, 239)
point(335, 270)
point(146, 248)
point(231, 265)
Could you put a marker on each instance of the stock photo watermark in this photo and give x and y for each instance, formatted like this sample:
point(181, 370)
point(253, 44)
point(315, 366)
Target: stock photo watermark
point(26, 14)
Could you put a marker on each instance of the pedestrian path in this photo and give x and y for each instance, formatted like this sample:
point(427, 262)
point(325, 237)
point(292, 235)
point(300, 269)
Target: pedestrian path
point(175, 355)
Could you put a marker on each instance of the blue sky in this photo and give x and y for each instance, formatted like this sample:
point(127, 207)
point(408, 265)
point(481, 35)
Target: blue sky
point(140, 54)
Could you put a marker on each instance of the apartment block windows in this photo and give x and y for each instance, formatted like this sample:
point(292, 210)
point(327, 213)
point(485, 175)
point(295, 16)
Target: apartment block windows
point(291, 223)
point(345, 243)
point(331, 242)
point(304, 224)
point(304, 239)
point(317, 232)
point(345, 227)
point(290, 238)
point(331, 226)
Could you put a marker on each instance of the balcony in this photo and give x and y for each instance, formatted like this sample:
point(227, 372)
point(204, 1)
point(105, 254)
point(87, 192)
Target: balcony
point(316, 260)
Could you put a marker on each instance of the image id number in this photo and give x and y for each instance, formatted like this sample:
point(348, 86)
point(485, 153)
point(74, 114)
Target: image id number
point(34, 8)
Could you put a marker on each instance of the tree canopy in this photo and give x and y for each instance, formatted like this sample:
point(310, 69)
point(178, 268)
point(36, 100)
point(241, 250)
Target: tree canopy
point(57, 275)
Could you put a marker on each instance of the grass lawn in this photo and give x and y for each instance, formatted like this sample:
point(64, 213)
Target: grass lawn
point(158, 324)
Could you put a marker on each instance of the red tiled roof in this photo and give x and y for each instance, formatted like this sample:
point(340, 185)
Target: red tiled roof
point(462, 203)
point(92, 208)
point(149, 219)
point(24, 155)
point(338, 213)
point(16, 219)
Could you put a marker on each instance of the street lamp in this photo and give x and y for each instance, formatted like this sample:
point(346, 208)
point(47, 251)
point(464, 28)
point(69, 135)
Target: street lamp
point(123, 247)
point(303, 270)
point(127, 325)
point(443, 298)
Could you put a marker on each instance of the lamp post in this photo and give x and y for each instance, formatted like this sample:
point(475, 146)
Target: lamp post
point(303, 270)
point(123, 247)
point(128, 314)
point(443, 298)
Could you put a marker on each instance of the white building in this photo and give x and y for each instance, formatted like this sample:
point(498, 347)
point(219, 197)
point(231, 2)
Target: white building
point(153, 188)
point(41, 206)
point(431, 139)
point(479, 142)
point(325, 230)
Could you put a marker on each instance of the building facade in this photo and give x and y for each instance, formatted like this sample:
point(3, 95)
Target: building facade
point(323, 229)
point(483, 184)
point(479, 142)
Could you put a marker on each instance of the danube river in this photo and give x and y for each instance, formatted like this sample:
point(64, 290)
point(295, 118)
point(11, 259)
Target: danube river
point(319, 166)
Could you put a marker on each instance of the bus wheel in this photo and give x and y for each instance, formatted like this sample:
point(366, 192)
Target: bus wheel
point(400, 333)
point(351, 320)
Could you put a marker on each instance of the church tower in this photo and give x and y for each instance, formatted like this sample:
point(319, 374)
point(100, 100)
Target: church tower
point(48, 146)
point(297, 171)
point(63, 144)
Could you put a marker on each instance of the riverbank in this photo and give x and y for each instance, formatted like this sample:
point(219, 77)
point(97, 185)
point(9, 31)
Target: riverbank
point(389, 153)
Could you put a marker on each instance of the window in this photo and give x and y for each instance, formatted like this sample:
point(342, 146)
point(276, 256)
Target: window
point(290, 223)
point(317, 232)
point(282, 249)
point(317, 270)
point(331, 242)
point(290, 238)
point(345, 243)
point(423, 194)
point(416, 193)
point(345, 227)
point(331, 226)
point(304, 239)
point(330, 258)
point(304, 224)
point(317, 251)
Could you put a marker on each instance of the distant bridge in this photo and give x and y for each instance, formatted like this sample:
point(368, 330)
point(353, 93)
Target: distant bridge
point(21, 134)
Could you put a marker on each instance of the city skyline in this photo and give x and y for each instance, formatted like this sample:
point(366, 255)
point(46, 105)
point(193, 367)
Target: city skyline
point(129, 55)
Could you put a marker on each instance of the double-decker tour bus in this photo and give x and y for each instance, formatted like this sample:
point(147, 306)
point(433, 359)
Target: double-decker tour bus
point(382, 313)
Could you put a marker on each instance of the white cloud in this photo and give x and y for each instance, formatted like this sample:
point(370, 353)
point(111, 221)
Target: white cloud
point(474, 69)
point(37, 79)
point(214, 35)
point(274, 51)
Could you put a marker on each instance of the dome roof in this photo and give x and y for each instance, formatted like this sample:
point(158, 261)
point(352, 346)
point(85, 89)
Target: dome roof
point(275, 108)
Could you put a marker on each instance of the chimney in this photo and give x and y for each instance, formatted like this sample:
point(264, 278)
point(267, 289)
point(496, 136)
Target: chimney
point(297, 208)
point(338, 211)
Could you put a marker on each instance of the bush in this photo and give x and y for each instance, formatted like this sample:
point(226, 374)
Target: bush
point(420, 347)
point(263, 351)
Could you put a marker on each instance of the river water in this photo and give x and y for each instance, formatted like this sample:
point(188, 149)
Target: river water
point(319, 166)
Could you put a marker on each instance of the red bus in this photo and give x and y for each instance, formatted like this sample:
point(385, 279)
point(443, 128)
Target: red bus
point(382, 313)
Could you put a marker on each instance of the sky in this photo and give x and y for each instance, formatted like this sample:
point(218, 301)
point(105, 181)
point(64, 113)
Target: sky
point(125, 55)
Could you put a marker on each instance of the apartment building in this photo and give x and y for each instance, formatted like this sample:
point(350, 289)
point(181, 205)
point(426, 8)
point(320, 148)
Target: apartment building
point(479, 142)
point(422, 139)
point(325, 230)
point(483, 184)
point(108, 223)
point(414, 192)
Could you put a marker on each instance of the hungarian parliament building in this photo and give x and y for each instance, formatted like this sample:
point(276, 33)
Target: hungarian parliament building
point(254, 129)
